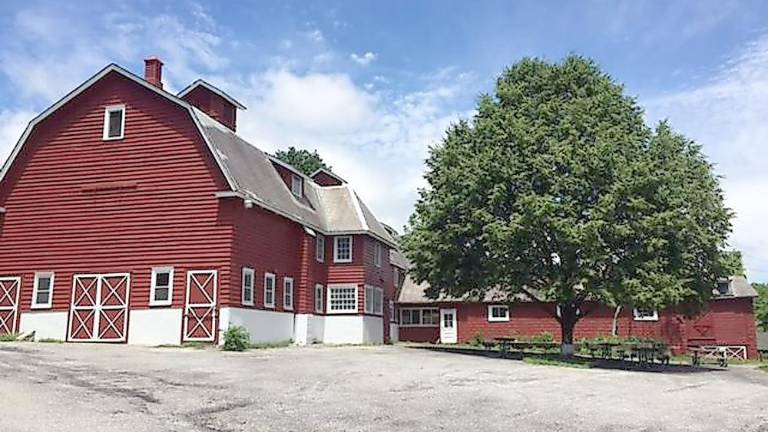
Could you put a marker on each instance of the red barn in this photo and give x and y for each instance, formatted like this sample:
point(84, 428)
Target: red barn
point(727, 322)
point(130, 214)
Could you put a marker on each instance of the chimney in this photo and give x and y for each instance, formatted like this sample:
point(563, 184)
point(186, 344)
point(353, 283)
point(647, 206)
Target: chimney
point(153, 71)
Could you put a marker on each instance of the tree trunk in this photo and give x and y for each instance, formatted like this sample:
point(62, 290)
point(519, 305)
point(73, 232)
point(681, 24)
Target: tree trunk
point(568, 318)
point(615, 324)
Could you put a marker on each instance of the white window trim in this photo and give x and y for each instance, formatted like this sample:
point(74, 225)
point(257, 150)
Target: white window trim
point(252, 273)
point(421, 317)
point(636, 315)
point(491, 318)
point(377, 253)
point(47, 305)
point(329, 310)
point(320, 248)
point(105, 132)
point(336, 258)
point(268, 276)
point(286, 281)
point(296, 179)
point(374, 291)
point(153, 286)
point(321, 290)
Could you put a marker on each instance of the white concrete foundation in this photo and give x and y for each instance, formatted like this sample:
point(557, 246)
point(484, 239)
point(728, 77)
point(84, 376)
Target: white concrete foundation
point(373, 329)
point(46, 325)
point(394, 333)
point(353, 329)
point(155, 326)
point(308, 329)
point(264, 326)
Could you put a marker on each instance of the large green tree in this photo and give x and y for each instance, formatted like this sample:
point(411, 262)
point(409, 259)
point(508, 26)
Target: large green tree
point(761, 305)
point(559, 192)
point(306, 161)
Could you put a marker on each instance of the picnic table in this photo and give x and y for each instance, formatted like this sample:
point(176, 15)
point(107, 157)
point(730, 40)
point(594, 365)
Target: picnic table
point(700, 353)
point(645, 352)
point(507, 344)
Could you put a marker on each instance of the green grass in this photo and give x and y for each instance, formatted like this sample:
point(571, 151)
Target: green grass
point(267, 345)
point(8, 337)
point(575, 362)
point(763, 367)
point(50, 340)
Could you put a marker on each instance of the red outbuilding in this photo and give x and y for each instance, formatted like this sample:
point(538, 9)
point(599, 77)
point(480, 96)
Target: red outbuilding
point(131, 214)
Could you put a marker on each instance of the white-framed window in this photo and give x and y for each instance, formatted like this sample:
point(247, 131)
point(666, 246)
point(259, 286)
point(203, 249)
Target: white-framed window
point(297, 185)
point(161, 288)
point(42, 293)
point(396, 277)
point(114, 122)
point(269, 290)
point(319, 298)
point(249, 276)
point(342, 299)
point(392, 315)
point(288, 293)
point(374, 300)
point(419, 317)
point(377, 254)
point(498, 313)
point(320, 248)
point(342, 249)
point(645, 314)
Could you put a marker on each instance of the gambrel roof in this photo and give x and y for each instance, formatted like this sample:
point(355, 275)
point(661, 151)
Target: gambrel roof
point(249, 171)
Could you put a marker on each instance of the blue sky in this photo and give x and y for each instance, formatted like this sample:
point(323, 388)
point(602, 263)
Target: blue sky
point(372, 84)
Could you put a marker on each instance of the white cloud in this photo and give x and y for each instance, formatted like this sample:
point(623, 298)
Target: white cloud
point(12, 124)
point(364, 59)
point(729, 117)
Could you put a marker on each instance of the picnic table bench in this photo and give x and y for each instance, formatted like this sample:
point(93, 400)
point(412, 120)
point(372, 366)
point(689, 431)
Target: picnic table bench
point(644, 352)
point(507, 344)
point(698, 354)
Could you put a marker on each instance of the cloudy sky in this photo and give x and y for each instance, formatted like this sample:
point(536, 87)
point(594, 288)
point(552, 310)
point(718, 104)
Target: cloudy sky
point(371, 85)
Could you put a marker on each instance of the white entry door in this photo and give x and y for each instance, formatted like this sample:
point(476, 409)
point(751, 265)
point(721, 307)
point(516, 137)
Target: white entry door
point(448, 325)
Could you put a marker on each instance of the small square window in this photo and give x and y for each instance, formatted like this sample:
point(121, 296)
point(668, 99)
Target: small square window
point(320, 248)
point(269, 290)
point(161, 287)
point(247, 288)
point(319, 298)
point(114, 122)
point(297, 186)
point(645, 314)
point(42, 296)
point(288, 293)
point(342, 249)
point(498, 313)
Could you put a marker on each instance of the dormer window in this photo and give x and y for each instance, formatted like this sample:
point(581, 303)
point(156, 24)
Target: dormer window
point(297, 188)
point(724, 288)
point(114, 122)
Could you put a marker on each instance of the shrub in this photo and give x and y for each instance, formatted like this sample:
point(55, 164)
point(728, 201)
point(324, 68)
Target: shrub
point(478, 339)
point(236, 338)
point(8, 337)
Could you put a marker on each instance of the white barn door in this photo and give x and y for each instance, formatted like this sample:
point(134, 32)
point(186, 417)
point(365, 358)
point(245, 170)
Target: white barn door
point(9, 303)
point(99, 310)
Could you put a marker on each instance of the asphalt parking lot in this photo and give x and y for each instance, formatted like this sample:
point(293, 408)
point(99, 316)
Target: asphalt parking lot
point(67, 387)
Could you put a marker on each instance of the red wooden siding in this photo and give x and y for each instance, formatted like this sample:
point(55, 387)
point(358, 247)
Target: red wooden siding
point(324, 179)
point(213, 105)
point(731, 322)
point(77, 204)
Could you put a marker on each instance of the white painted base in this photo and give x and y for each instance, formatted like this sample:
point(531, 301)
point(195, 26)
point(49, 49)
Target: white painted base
point(566, 349)
point(46, 325)
point(394, 333)
point(155, 327)
point(353, 329)
point(308, 329)
point(264, 326)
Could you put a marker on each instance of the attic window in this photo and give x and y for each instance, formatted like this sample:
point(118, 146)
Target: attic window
point(114, 122)
point(724, 288)
point(296, 186)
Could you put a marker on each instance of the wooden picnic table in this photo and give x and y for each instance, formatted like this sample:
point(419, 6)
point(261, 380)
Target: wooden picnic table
point(699, 353)
point(644, 352)
point(507, 344)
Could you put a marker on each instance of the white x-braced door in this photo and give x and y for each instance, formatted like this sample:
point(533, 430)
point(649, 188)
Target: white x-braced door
point(200, 308)
point(9, 303)
point(99, 311)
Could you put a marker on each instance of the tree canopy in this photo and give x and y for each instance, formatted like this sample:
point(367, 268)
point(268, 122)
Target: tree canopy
point(559, 191)
point(761, 305)
point(307, 162)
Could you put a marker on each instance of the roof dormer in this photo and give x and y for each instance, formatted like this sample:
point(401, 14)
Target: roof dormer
point(213, 101)
point(325, 177)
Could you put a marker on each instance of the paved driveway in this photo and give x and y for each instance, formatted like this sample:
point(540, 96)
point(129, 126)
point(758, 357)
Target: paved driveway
point(50, 387)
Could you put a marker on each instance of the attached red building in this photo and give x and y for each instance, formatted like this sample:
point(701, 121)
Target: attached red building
point(728, 321)
point(130, 214)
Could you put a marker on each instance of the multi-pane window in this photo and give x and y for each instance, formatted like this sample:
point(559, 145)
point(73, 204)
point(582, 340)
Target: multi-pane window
point(114, 122)
point(248, 278)
point(297, 187)
point(342, 249)
point(374, 300)
point(269, 290)
point(288, 293)
point(320, 248)
point(162, 286)
point(342, 299)
point(377, 254)
point(43, 290)
point(498, 313)
point(319, 298)
point(645, 314)
point(419, 317)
